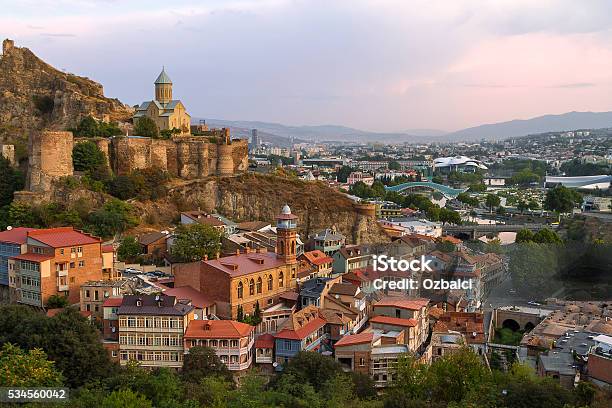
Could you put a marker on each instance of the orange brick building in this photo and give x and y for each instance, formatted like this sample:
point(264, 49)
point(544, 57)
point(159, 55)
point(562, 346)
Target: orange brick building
point(57, 262)
point(246, 279)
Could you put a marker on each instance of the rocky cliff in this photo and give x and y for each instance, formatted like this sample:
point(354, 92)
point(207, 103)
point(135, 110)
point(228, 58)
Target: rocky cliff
point(34, 95)
point(255, 197)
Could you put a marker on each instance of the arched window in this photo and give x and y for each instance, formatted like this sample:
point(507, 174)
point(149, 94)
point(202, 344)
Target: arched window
point(281, 247)
point(259, 285)
point(292, 247)
point(240, 290)
point(270, 282)
point(280, 280)
point(252, 287)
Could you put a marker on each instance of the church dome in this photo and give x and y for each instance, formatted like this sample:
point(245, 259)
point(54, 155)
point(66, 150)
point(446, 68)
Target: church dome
point(286, 210)
point(163, 78)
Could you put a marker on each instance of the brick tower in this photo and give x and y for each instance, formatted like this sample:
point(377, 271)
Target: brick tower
point(286, 242)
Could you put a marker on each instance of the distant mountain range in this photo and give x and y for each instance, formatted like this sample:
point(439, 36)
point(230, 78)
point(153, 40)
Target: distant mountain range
point(281, 134)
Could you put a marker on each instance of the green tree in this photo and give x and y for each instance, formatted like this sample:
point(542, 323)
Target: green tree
point(27, 369)
point(125, 399)
point(312, 368)
point(561, 199)
point(57, 302)
point(129, 249)
point(203, 362)
point(126, 186)
point(146, 127)
point(343, 173)
point(21, 215)
point(546, 236)
point(87, 156)
point(87, 127)
point(467, 199)
point(195, 241)
point(524, 235)
point(393, 165)
point(433, 213)
point(114, 217)
point(533, 205)
point(449, 216)
point(11, 180)
point(445, 246)
point(522, 206)
point(491, 201)
point(69, 340)
point(378, 189)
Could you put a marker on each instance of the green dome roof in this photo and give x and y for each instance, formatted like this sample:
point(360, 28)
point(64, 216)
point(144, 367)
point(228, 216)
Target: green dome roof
point(163, 78)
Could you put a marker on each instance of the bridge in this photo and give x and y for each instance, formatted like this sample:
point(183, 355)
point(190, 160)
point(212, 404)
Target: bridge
point(446, 191)
point(479, 230)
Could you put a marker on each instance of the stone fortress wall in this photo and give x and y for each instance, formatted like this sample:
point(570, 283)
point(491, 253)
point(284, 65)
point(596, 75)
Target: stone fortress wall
point(186, 157)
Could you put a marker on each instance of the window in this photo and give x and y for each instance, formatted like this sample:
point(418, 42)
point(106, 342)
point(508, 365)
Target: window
point(86, 293)
point(62, 251)
point(361, 361)
point(251, 287)
point(80, 250)
point(270, 282)
point(280, 280)
point(240, 290)
point(398, 313)
point(259, 285)
point(81, 264)
point(95, 295)
point(71, 264)
point(71, 280)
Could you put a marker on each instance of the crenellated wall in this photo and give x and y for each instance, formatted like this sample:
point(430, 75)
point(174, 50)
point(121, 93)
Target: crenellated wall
point(186, 157)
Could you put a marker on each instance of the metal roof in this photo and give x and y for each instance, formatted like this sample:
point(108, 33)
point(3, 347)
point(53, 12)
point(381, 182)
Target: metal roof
point(163, 78)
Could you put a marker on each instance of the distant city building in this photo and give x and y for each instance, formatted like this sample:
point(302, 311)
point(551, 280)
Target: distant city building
point(494, 182)
point(601, 182)
point(371, 166)
point(255, 141)
point(358, 176)
point(458, 163)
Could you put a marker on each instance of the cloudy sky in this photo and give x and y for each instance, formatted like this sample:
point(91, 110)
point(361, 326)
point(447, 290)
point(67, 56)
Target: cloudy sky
point(383, 65)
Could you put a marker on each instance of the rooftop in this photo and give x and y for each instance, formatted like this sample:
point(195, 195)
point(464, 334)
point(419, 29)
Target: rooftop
point(402, 303)
point(62, 237)
point(188, 293)
point(245, 264)
point(393, 321)
point(153, 305)
point(17, 235)
point(217, 329)
point(361, 338)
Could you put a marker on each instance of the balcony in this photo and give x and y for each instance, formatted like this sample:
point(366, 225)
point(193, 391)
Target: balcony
point(62, 272)
point(62, 287)
point(238, 366)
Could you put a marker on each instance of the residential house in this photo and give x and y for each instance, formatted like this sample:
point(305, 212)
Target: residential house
point(264, 349)
point(95, 293)
point(216, 221)
point(469, 324)
point(232, 341)
point(329, 241)
point(303, 331)
point(13, 242)
point(151, 330)
point(321, 263)
point(154, 244)
point(393, 313)
point(57, 262)
point(351, 257)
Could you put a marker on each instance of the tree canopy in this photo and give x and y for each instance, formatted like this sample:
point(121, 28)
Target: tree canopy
point(195, 241)
point(145, 126)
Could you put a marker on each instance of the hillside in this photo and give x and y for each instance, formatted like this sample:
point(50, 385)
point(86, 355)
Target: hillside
point(33, 95)
point(540, 124)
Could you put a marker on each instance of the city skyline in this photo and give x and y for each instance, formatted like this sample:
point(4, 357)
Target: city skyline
point(389, 66)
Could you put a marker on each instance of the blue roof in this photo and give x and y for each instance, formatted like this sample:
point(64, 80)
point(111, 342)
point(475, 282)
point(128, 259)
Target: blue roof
point(163, 78)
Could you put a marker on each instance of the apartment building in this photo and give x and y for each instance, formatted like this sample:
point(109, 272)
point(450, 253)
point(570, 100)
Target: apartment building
point(370, 353)
point(351, 257)
point(232, 341)
point(95, 293)
point(403, 314)
point(152, 329)
point(12, 243)
point(57, 261)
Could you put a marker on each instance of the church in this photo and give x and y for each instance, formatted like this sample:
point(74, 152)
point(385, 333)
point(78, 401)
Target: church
point(167, 113)
point(246, 280)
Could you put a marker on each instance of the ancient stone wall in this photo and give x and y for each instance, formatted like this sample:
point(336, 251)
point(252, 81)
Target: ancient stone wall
point(187, 157)
point(50, 158)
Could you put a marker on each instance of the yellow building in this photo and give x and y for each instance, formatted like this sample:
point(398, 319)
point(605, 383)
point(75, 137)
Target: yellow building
point(167, 113)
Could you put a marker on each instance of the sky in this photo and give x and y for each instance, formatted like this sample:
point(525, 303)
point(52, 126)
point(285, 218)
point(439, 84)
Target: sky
point(378, 65)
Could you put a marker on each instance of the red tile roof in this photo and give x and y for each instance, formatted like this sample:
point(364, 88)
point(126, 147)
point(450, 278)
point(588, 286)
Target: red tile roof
point(108, 248)
point(62, 237)
point(217, 329)
point(265, 341)
point(33, 257)
point(393, 321)
point(112, 302)
point(317, 257)
point(361, 338)
point(245, 264)
point(402, 303)
point(303, 332)
point(17, 235)
point(187, 292)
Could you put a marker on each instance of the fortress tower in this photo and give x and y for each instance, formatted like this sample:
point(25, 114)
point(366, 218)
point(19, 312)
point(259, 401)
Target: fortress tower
point(286, 240)
point(163, 88)
point(50, 156)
